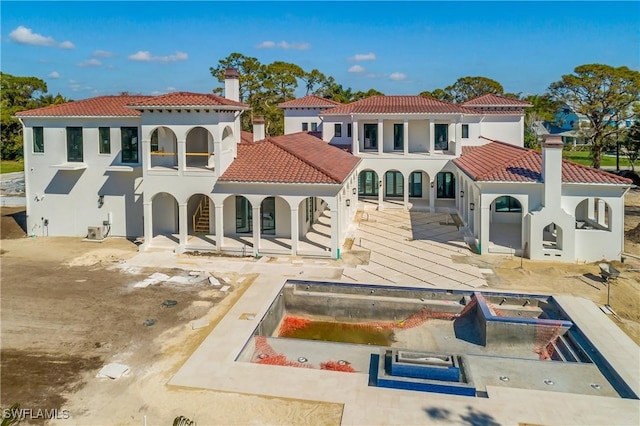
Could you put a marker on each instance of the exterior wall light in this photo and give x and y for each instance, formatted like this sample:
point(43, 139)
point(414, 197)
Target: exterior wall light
point(100, 200)
point(354, 190)
point(348, 202)
point(432, 184)
point(379, 184)
point(472, 206)
point(461, 194)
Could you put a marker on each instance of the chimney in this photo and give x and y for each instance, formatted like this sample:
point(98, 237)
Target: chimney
point(231, 84)
point(258, 127)
point(552, 170)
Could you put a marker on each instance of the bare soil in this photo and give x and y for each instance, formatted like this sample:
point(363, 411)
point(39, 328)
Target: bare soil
point(68, 307)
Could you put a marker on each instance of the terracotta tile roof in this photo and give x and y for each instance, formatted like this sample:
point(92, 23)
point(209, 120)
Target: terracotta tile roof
point(309, 101)
point(468, 149)
point(187, 99)
point(101, 106)
point(398, 105)
point(246, 137)
point(293, 158)
point(502, 162)
point(495, 100)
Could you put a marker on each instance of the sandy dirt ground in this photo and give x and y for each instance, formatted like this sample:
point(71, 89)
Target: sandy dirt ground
point(69, 307)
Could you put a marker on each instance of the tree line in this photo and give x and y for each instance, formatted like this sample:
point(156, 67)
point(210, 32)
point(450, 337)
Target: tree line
point(608, 96)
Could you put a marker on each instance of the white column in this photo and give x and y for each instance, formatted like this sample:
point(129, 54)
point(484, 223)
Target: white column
point(294, 232)
point(183, 223)
point(355, 144)
point(334, 233)
point(148, 222)
point(381, 192)
point(405, 191)
point(458, 150)
point(432, 135)
point(219, 227)
point(485, 216)
point(256, 230)
point(601, 212)
point(432, 197)
point(405, 136)
point(590, 208)
point(182, 156)
point(380, 136)
point(146, 154)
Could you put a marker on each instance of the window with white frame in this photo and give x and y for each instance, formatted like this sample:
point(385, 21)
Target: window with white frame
point(38, 139)
point(465, 131)
point(337, 130)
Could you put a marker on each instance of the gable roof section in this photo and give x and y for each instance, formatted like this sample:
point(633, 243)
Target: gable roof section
point(502, 162)
point(495, 100)
point(309, 101)
point(101, 106)
point(399, 105)
point(293, 158)
point(187, 100)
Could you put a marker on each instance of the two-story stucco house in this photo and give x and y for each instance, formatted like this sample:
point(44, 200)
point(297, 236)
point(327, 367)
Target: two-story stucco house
point(177, 170)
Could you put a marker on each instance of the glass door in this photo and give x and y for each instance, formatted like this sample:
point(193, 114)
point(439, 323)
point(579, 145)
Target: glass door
point(244, 216)
point(441, 132)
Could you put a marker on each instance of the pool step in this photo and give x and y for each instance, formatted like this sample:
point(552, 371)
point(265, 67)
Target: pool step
point(566, 349)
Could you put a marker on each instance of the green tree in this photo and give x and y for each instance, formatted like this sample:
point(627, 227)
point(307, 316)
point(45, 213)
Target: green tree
point(317, 83)
point(249, 72)
point(440, 94)
point(340, 94)
point(362, 95)
point(605, 94)
point(543, 108)
point(631, 143)
point(16, 94)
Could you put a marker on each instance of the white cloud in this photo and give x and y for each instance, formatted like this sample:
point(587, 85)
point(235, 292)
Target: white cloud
point(24, 35)
point(54, 74)
point(67, 45)
point(90, 63)
point(145, 56)
point(102, 54)
point(356, 68)
point(170, 89)
point(295, 46)
point(398, 76)
point(363, 57)
point(266, 45)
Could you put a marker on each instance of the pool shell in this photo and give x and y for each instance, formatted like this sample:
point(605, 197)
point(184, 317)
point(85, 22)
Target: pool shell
point(502, 321)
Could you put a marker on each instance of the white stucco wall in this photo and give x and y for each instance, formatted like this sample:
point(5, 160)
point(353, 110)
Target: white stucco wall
point(504, 128)
point(69, 199)
point(294, 117)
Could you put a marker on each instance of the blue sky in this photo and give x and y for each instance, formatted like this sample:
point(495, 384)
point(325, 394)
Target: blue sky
point(84, 49)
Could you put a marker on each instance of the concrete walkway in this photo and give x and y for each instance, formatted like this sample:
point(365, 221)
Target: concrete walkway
point(412, 249)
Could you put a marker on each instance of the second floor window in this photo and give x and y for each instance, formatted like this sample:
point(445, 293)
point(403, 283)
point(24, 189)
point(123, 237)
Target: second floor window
point(74, 144)
point(38, 139)
point(398, 136)
point(305, 127)
point(337, 132)
point(349, 130)
point(314, 127)
point(465, 131)
point(129, 144)
point(105, 140)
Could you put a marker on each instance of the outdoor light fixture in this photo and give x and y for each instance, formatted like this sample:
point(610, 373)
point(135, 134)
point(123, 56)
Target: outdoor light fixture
point(432, 184)
point(472, 206)
point(100, 200)
point(354, 191)
point(348, 202)
point(461, 194)
point(379, 184)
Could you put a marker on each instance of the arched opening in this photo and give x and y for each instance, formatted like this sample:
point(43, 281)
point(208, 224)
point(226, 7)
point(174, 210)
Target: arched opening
point(199, 148)
point(227, 139)
point(164, 148)
point(393, 184)
point(593, 213)
point(505, 228)
point(200, 212)
point(368, 183)
point(314, 225)
point(552, 237)
point(164, 214)
point(243, 215)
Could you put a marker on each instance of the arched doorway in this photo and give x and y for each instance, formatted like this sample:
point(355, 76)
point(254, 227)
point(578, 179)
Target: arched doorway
point(199, 148)
point(368, 183)
point(164, 214)
point(393, 184)
point(314, 226)
point(552, 237)
point(505, 223)
point(200, 213)
point(164, 148)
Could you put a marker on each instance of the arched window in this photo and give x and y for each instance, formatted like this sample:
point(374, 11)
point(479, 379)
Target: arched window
point(507, 204)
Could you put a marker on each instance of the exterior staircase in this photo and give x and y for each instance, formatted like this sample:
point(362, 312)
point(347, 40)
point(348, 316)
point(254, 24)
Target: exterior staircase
point(201, 217)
